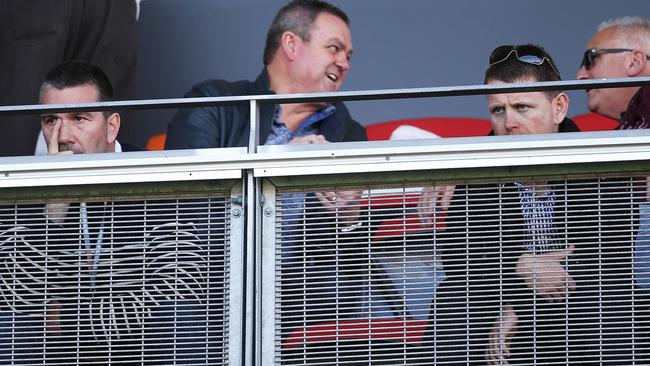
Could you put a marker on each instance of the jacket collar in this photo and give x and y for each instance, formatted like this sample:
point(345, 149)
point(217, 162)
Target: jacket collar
point(262, 87)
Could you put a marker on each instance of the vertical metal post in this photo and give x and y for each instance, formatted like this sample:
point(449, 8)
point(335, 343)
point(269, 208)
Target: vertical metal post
point(252, 252)
point(268, 270)
point(236, 290)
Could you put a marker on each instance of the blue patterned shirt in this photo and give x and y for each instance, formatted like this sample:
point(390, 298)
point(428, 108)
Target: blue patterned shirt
point(280, 134)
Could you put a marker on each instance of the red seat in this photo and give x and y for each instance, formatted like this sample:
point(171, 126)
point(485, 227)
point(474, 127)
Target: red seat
point(441, 126)
point(594, 122)
point(156, 142)
point(402, 330)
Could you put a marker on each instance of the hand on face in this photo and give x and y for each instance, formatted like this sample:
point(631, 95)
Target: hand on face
point(53, 143)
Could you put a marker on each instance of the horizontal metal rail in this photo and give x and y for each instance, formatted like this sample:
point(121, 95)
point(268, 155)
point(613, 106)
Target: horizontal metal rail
point(454, 153)
point(446, 91)
point(131, 167)
point(340, 158)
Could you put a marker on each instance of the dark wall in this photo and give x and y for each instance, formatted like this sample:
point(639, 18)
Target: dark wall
point(398, 44)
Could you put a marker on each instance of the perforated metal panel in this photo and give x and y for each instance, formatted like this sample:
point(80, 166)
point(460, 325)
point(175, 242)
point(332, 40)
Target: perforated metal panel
point(528, 270)
point(115, 280)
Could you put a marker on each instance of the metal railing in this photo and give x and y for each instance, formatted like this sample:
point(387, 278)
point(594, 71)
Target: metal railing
point(257, 182)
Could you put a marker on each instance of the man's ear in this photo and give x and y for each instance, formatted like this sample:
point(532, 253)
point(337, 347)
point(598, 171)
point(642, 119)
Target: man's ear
point(112, 127)
point(289, 44)
point(636, 63)
point(560, 107)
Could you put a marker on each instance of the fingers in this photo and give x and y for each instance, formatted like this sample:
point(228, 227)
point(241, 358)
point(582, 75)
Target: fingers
point(309, 139)
point(498, 349)
point(345, 203)
point(432, 199)
point(327, 199)
point(570, 249)
point(557, 291)
point(53, 144)
point(494, 353)
point(571, 284)
point(425, 205)
point(446, 196)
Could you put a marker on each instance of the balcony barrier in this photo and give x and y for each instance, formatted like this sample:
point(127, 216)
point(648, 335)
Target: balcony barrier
point(350, 253)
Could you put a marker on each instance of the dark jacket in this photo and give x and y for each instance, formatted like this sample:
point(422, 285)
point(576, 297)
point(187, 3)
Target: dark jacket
point(228, 126)
point(486, 235)
point(637, 114)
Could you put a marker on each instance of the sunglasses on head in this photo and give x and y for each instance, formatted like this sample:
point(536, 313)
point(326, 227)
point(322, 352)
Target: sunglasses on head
point(593, 53)
point(527, 54)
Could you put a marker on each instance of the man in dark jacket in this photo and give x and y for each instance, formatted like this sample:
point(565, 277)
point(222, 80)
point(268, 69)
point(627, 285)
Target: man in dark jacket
point(620, 49)
point(308, 50)
point(103, 281)
point(529, 267)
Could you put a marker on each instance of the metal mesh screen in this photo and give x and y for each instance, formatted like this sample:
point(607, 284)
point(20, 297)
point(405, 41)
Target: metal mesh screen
point(115, 281)
point(551, 270)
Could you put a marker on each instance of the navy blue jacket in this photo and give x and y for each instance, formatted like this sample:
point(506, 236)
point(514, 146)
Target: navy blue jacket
point(228, 126)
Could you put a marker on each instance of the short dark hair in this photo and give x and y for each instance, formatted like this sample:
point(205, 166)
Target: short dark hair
point(76, 73)
point(512, 70)
point(297, 16)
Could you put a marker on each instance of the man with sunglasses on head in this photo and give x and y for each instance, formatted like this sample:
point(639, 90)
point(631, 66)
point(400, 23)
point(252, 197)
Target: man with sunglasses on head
point(509, 248)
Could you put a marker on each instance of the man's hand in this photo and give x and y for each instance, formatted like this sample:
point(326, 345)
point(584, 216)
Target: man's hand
point(545, 274)
point(56, 212)
point(434, 200)
point(53, 143)
point(503, 329)
point(309, 139)
point(344, 203)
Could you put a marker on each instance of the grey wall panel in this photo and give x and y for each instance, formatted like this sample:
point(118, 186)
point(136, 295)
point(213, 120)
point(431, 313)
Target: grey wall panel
point(414, 43)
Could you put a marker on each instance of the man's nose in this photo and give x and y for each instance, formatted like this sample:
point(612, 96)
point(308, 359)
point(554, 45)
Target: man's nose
point(65, 131)
point(342, 61)
point(511, 121)
point(582, 73)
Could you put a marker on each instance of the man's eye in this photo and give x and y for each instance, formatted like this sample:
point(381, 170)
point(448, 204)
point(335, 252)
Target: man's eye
point(522, 107)
point(334, 48)
point(497, 110)
point(50, 121)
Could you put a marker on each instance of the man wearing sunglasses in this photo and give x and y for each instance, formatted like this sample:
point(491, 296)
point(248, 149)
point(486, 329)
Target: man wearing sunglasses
point(620, 48)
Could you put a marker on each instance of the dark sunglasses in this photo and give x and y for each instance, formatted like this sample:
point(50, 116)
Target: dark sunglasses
point(528, 54)
point(593, 53)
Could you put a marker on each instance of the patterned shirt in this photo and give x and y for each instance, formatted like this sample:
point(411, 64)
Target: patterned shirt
point(293, 204)
point(280, 134)
point(538, 212)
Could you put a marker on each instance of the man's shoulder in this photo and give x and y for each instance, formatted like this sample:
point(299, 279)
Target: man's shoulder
point(350, 129)
point(219, 87)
